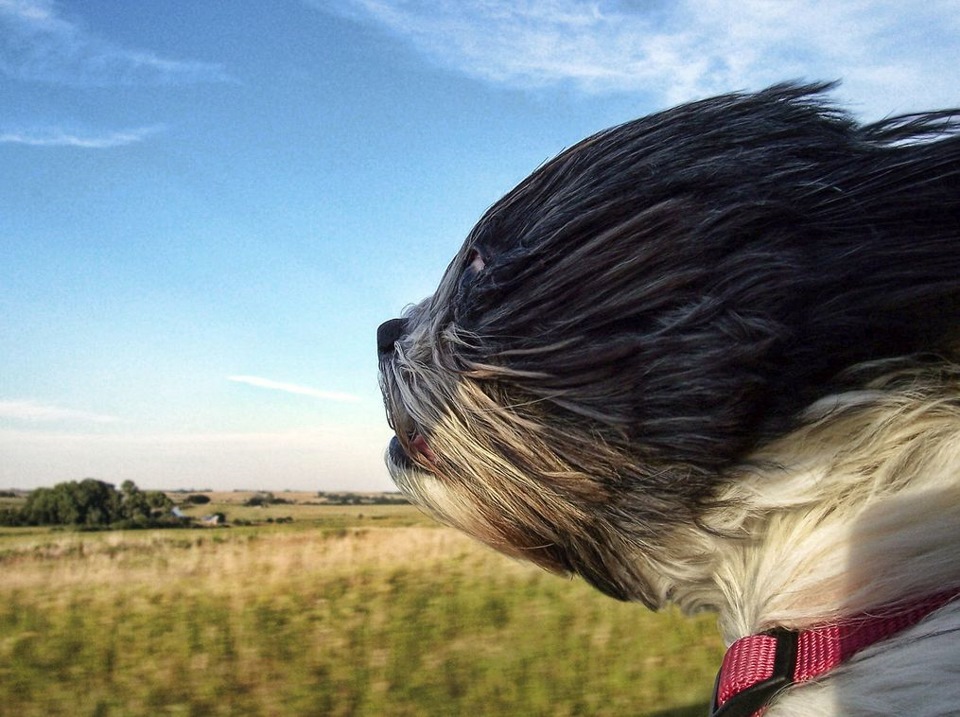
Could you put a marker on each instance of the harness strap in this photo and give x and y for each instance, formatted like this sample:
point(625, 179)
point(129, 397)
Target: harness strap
point(757, 667)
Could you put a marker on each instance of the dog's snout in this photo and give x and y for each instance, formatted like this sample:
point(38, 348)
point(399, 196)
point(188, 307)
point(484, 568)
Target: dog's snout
point(389, 333)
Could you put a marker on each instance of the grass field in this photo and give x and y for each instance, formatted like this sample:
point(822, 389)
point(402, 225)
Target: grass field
point(355, 610)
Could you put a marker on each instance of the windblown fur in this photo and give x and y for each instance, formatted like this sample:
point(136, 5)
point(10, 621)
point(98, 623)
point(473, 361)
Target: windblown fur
point(710, 357)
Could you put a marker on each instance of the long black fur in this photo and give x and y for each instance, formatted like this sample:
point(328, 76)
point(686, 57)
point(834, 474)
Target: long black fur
point(669, 294)
point(743, 251)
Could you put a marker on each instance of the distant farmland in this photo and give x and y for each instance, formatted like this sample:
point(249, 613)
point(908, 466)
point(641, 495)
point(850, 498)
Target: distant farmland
point(355, 609)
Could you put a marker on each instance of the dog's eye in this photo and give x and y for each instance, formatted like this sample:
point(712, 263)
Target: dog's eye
point(473, 267)
point(475, 263)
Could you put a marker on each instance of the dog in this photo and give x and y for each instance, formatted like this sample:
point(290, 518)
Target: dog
point(710, 358)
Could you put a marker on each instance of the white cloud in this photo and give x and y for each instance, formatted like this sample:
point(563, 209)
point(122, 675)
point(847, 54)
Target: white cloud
point(54, 137)
point(34, 412)
point(886, 52)
point(37, 43)
point(294, 388)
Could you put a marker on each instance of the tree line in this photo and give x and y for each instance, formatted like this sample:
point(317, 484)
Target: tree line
point(92, 503)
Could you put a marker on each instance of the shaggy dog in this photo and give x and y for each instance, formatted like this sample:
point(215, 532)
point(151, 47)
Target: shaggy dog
point(709, 358)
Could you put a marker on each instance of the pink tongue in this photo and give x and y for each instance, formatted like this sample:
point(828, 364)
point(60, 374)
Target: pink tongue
point(419, 444)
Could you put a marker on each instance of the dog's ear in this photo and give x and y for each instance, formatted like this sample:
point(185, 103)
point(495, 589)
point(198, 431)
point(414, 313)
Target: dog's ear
point(687, 283)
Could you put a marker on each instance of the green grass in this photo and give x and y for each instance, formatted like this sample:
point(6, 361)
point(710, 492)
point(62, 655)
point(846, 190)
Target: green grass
point(331, 615)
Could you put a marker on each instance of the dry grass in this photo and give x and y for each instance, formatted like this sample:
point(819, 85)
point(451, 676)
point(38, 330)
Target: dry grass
point(343, 621)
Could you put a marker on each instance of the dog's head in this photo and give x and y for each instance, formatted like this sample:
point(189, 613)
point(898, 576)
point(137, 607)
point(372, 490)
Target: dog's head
point(622, 329)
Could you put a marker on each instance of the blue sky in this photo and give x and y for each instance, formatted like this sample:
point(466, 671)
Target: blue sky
point(208, 207)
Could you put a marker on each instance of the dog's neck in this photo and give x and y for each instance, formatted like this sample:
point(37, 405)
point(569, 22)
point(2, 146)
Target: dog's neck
point(853, 512)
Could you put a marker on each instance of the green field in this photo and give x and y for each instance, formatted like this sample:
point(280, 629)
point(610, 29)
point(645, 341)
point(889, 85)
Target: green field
point(353, 610)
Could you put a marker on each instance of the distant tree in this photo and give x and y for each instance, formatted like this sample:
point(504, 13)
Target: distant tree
point(92, 503)
point(11, 517)
point(197, 499)
point(391, 499)
point(264, 499)
point(257, 500)
point(133, 502)
point(158, 501)
point(138, 505)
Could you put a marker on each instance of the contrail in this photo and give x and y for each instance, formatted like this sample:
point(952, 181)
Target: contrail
point(294, 388)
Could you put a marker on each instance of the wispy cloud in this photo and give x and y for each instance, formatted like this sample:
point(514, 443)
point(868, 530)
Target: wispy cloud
point(55, 137)
point(294, 388)
point(37, 43)
point(35, 412)
point(678, 50)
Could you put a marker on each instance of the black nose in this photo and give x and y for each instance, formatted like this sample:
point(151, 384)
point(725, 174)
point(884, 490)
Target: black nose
point(389, 333)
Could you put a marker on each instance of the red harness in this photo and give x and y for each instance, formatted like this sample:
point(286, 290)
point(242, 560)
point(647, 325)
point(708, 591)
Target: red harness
point(757, 667)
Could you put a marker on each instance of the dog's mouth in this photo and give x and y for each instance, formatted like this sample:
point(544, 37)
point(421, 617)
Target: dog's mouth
point(414, 452)
point(409, 448)
point(420, 448)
